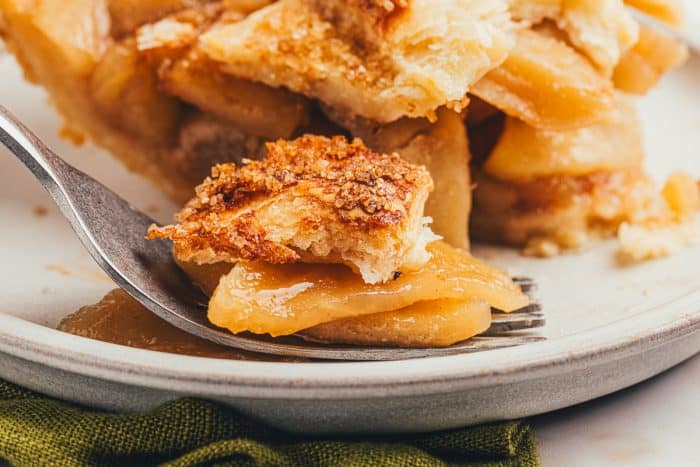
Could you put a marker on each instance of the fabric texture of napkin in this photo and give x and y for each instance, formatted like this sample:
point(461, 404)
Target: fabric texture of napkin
point(38, 430)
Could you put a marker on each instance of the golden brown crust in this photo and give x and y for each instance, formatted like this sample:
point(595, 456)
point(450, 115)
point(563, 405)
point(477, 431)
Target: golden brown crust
point(374, 11)
point(345, 181)
point(361, 184)
point(363, 19)
point(369, 58)
point(243, 238)
point(443, 148)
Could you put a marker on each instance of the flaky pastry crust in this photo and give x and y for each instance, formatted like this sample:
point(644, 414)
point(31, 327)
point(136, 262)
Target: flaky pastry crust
point(374, 62)
point(313, 199)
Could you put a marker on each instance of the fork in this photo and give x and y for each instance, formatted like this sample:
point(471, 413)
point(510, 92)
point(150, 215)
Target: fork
point(113, 233)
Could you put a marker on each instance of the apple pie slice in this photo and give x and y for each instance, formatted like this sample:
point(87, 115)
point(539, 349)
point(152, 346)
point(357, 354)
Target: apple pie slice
point(321, 235)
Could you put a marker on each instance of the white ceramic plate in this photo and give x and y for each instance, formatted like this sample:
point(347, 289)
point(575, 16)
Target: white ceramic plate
point(608, 327)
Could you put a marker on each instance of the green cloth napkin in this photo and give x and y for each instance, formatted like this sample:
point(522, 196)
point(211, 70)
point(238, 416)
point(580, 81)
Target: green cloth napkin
point(37, 430)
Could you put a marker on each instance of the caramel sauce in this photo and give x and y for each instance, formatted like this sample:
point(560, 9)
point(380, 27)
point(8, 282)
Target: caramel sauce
point(120, 319)
point(285, 299)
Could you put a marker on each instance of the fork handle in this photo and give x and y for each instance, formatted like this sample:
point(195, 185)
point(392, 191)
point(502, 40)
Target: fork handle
point(60, 179)
point(46, 166)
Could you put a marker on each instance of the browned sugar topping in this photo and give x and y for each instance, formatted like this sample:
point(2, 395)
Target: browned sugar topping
point(337, 180)
point(363, 186)
point(375, 11)
point(362, 22)
point(379, 10)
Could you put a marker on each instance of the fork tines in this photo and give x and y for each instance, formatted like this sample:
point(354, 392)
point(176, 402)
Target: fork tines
point(511, 325)
point(527, 284)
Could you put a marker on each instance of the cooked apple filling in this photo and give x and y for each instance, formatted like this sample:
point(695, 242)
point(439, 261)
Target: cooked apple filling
point(427, 323)
point(436, 323)
point(120, 319)
point(423, 324)
point(554, 174)
point(550, 190)
point(282, 300)
point(641, 68)
point(547, 84)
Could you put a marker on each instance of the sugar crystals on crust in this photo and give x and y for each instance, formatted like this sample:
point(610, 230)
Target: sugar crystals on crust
point(381, 60)
point(313, 199)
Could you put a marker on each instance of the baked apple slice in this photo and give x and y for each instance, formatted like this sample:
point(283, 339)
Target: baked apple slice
point(436, 323)
point(525, 153)
point(547, 84)
point(285, 299)
point(641, 68)
point(255, 108)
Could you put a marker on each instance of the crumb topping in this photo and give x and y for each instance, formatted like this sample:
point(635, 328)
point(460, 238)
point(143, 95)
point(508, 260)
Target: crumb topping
point(376, 12)
point(338, 181)
point(363, 186)
point(362, 22)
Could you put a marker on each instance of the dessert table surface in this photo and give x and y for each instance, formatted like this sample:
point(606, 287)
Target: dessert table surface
point(651, 424)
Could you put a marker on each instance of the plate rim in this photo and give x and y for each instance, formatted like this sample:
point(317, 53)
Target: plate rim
point(648, 329)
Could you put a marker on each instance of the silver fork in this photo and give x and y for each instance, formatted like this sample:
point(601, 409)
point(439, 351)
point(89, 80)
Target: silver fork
point(113, 233)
